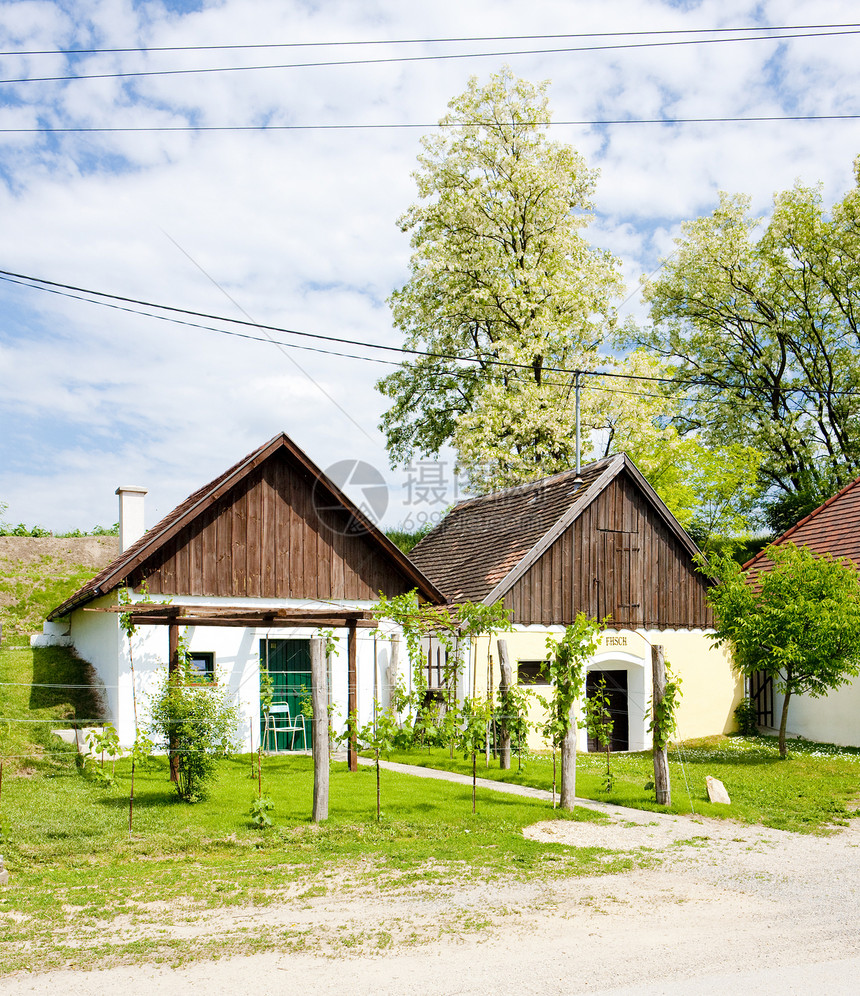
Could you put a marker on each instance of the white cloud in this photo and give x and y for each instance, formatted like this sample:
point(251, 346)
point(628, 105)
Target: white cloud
point(298, 227)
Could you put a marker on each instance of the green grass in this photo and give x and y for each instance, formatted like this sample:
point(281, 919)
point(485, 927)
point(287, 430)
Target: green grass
point(25, 737)
point(29, 591)
point(811, 791)
point(76, 868)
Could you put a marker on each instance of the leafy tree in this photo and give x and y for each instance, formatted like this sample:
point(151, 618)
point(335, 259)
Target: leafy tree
point(501, 273)
point(196, 724)
point(760, 323)
point(565, 667)
point(799, 621)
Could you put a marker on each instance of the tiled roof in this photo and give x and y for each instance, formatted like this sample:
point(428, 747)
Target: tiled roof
point(115, 573)
point(483, 539)
point(833, 528)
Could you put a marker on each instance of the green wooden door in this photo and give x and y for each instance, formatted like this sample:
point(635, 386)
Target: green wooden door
point(289, 665)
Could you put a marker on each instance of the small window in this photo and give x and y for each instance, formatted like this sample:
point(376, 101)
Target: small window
point(530, 673)
point(202, 665)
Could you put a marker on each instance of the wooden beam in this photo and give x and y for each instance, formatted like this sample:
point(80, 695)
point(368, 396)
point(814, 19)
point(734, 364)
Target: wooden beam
point(352, 695)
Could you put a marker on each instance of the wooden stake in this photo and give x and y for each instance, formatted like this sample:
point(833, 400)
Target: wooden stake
point(474, 778)
point(567, 793)
point(131, 799)
point(319, 731)
point(662, 787)
point(172, 666)
point(352, 695)
point(505, 681)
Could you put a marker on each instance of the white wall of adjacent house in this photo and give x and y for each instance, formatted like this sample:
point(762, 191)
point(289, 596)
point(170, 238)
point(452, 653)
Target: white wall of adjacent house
point(832, 719)
point(132, 673)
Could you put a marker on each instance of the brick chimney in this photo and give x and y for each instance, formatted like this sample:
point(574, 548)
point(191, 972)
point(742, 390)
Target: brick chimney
point(131, 524)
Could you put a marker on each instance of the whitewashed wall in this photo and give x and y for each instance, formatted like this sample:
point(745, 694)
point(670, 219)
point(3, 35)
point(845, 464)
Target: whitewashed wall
point(833, 719)
point(97, 638)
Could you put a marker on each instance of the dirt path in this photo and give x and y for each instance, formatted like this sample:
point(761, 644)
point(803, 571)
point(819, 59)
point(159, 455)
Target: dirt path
point(726, 908)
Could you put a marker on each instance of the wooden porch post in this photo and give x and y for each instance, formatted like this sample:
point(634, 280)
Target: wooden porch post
point(319, 730)
point(172, 666)
point(352, 696)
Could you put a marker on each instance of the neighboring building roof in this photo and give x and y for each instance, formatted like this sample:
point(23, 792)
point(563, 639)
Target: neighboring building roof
point(198, 503)
point(833, 528)
point(484, 545)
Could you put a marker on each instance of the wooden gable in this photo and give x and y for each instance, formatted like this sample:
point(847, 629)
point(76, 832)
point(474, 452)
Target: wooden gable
point(271, 526)
point(273, 535)
point(618, 558)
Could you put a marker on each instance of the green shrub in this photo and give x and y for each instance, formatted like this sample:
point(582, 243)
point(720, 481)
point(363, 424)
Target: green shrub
point(196, 726)
point(746, 716)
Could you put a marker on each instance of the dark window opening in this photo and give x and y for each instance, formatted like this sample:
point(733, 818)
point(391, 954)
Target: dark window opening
point(531, 673)
point(201, 664)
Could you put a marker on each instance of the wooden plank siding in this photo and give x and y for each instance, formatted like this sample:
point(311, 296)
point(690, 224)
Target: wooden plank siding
point(266, 538)
point(617, 559)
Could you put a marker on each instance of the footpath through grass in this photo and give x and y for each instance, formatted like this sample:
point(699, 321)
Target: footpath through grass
point(812, 791)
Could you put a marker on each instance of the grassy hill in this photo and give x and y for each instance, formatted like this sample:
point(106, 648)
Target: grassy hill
point(37, 574)
point(49, 687)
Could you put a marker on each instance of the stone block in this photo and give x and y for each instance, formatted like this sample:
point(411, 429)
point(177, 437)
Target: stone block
point(717, 791)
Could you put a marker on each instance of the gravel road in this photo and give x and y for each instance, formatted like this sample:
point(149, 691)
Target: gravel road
point(725, 908)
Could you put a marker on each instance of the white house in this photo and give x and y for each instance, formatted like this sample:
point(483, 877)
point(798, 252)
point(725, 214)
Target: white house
point(248, 568)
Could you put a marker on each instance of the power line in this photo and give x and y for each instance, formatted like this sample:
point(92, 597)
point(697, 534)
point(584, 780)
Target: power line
point(75, 293)
point(438, 57)
point(426, 41)
point(411, 126)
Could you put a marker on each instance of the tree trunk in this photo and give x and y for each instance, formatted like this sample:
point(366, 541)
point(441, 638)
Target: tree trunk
point(783, 723)
point(662, 786)
point(505, 682)
point(319, 731)
point(567, 794)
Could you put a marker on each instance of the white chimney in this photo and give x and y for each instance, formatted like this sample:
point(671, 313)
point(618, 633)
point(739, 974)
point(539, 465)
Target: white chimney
point(131, 525)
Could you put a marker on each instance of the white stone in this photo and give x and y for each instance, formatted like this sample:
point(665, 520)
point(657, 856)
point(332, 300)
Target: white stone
point(717, 791)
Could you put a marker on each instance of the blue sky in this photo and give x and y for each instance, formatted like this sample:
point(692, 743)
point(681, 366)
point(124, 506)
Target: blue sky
point(297, 229)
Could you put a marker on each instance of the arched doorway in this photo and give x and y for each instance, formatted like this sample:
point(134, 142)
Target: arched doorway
point(616, 692)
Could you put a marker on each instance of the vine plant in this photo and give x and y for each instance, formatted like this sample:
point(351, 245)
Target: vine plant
point(664, 720)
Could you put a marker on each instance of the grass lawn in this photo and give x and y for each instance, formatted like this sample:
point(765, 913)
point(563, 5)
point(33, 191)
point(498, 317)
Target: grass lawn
point(75, 867)
point(809, 792)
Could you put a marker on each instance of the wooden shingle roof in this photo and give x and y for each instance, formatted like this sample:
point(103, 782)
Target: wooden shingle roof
point(485, 544)
point(833, 528)
point(197, 503)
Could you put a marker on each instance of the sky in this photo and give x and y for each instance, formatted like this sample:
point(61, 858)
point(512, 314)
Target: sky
point(297, 228)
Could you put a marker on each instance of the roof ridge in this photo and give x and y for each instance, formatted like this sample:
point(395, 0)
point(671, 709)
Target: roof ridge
point(784, 537)
point(540, 482)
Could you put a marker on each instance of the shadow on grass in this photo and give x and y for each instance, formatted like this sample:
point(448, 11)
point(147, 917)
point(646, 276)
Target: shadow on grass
point(71, 684)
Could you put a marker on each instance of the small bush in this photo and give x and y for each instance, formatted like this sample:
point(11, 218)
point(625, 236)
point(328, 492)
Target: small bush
point(746, 716)
point(196, 725)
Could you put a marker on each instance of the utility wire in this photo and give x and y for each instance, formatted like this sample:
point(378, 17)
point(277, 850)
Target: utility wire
point(439, 57)
point(428, 41)
point(407, 126)
point(66, 290)
point(74, 292)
